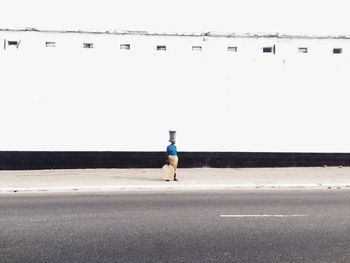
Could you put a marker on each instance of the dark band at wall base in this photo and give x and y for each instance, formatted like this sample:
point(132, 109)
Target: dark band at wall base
point(13, 160)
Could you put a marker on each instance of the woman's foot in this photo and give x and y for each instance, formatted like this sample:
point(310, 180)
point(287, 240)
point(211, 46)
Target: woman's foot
point(167, 180)
point(175, 179)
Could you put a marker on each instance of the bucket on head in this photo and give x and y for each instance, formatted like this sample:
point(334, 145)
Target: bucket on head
point(172, 135)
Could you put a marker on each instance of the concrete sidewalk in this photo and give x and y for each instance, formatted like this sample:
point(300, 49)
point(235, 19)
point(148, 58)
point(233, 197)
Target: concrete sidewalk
point(189, 179)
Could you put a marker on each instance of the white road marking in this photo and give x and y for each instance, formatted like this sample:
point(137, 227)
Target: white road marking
point(240, 216)
point(37, 220)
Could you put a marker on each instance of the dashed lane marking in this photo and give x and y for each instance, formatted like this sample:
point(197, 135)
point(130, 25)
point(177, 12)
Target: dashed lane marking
point(242, 216)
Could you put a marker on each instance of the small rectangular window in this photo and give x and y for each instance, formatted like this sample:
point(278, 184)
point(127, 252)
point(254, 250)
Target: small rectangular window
point(13, 43)
point(337, 50)
point(196, 48)
point(232, 49)
point(50, 44)
point(267, 49)
point(125, 46)
point(88, 45)
point(302, 50)
point(162, 48)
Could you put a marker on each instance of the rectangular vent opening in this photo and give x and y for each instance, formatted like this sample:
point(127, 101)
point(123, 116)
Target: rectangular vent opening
point(50, 44)
point(302, 50)
point(337, 50)
point(13, 43)
point(88, 45)
point(232, 49)
point(161, 48)
point(267, 49)
point(125, 46)
point(196, 48)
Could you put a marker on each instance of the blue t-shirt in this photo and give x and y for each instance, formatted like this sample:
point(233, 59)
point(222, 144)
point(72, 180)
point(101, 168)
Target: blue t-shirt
point(171, 149)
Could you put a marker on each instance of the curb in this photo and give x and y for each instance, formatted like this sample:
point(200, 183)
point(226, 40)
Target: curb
point(109, 188)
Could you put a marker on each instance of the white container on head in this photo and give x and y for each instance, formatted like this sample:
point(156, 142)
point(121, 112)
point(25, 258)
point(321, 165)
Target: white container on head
point(172, 135)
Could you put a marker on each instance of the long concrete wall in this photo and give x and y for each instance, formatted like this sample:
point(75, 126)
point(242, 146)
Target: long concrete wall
point(70, 98)
point(73, 160)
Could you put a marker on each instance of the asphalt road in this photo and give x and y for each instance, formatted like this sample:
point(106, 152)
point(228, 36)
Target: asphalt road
point(236, 226)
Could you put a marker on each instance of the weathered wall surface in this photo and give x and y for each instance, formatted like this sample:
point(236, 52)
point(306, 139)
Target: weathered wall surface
point(87, 159)
point(68, 98)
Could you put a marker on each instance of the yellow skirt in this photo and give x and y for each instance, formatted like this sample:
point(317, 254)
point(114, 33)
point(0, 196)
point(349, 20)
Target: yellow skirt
point(173, 161)
point(168, 172)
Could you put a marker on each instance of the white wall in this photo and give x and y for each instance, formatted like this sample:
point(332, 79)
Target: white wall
point(297, 16)
point(70, 98)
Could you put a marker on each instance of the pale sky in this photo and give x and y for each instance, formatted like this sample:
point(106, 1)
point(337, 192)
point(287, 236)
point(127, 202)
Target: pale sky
point(283, 16)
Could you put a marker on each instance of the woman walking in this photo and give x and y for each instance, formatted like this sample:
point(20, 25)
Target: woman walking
point(172, 156)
